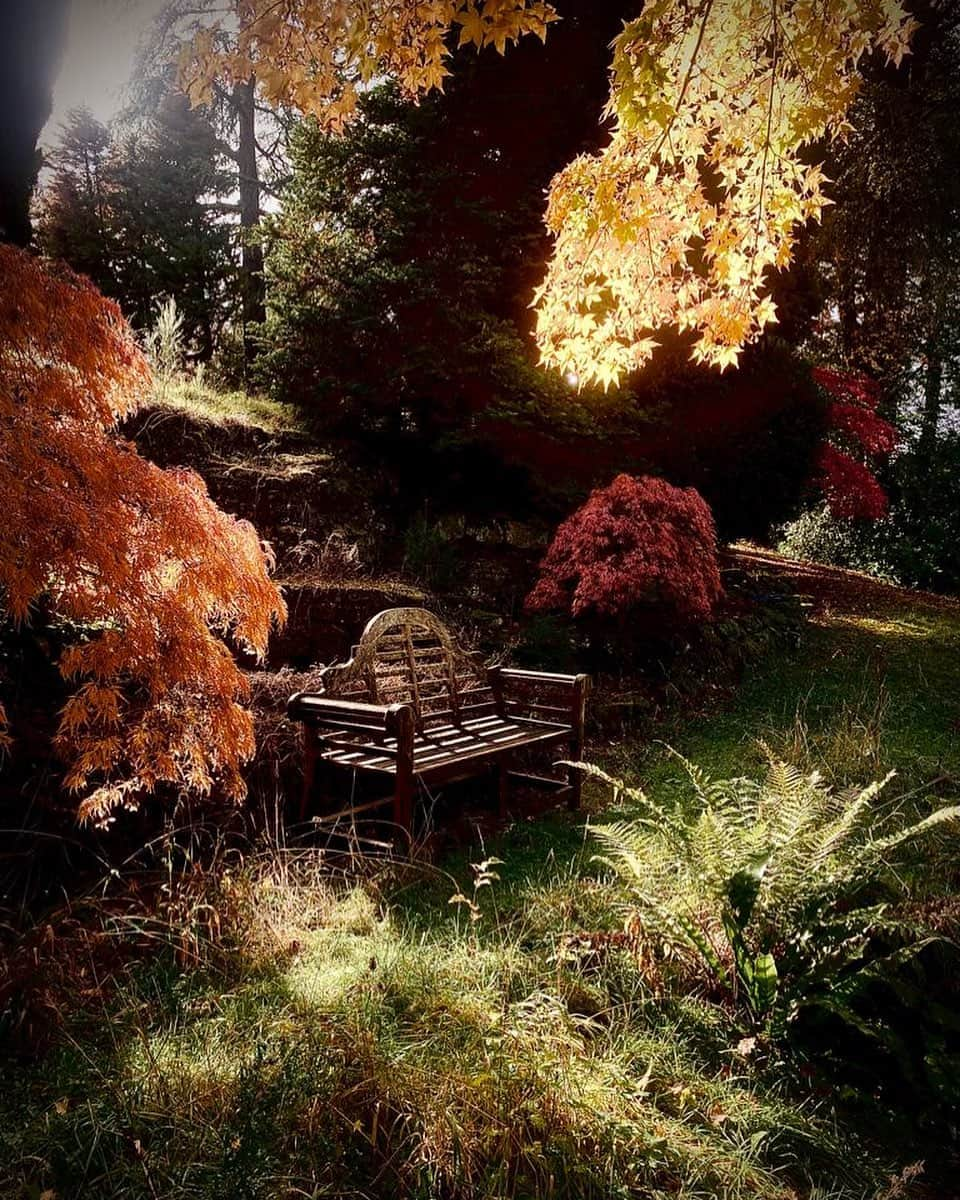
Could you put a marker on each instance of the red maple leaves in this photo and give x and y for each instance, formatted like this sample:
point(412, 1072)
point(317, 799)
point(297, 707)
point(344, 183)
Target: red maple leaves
point(848, 483)
point(141, 558)
point(637, 544)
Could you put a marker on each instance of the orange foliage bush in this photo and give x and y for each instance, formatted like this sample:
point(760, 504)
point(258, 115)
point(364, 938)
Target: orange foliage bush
point(140, 557)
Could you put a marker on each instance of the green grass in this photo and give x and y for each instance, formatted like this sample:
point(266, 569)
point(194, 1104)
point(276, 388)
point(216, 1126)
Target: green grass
point(859, 696)
point(379, 1059)
point(376, 1041)
point(217, 407)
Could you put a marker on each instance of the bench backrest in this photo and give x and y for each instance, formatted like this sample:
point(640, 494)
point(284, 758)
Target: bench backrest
point(408, 656)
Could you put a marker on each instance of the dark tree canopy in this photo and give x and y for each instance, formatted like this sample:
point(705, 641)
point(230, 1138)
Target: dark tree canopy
point(137, 209)
point(31, 39)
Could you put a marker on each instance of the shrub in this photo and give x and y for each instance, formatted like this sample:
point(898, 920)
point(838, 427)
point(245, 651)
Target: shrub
point(137, 558)
point(638, 546)
point(770, 893)
point(164, 344)
point(921, 541)
point(818, 536)
point(916, 544)
point(428, 553)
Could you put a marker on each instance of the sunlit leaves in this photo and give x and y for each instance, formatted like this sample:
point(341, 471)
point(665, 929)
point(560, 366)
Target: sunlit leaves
point(139, 557)
point(701, 190)
point(699, 194)
point(316, 55)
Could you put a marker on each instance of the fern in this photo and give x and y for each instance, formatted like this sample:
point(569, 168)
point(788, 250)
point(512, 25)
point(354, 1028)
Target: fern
point(770, 886)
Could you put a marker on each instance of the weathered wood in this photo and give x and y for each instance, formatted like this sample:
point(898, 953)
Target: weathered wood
point(411, 704)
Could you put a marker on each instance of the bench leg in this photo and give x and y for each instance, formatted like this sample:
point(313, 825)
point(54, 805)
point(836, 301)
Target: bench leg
point(403, 803)
point(581, 689)
point(503, 788)
point(405, 782)
point(309, 769)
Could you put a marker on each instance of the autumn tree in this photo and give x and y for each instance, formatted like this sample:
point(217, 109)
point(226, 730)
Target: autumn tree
point(318, 57)
point(137, 558)
point(639, 550)
point(702, 187)
point(859, 441)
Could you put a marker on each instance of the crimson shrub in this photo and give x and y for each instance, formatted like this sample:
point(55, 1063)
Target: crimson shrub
point(638, 547)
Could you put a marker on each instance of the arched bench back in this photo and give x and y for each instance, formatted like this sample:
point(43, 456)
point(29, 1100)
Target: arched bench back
point(408, 656)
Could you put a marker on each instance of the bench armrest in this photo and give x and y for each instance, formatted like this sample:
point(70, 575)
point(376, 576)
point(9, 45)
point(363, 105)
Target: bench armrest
point(548, 677)
point(314, 709)
point(545, 695)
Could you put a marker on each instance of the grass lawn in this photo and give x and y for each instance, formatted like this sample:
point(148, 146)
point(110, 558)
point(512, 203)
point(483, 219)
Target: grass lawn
point(238, 408)
point(873, 686)
point(293, 1039)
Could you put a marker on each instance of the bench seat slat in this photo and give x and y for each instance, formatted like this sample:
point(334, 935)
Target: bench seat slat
point(437, 749)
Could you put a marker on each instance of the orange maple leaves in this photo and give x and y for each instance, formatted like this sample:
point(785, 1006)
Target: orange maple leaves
point(317, 55)
point(141, 558)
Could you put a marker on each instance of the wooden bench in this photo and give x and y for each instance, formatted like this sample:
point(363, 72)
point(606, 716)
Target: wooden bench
point(413, 707)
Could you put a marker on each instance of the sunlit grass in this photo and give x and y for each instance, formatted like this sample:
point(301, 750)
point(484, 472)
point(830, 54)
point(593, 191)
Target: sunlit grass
point(382, 1055)
point(859, 696)
point(373, 1040)
point(205, 403)
point(883, 627)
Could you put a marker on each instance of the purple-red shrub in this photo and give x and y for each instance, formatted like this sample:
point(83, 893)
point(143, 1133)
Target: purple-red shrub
point(638, 545)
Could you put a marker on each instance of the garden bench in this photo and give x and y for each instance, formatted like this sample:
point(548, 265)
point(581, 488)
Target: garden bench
point(413, 707)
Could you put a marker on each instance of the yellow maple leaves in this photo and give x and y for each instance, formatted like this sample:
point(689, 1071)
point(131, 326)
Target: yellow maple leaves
point(701, 189)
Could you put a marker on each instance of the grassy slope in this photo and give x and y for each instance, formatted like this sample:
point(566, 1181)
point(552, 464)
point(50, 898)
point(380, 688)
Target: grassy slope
point(872, 687)
point(285, 1041)
point(237, 408)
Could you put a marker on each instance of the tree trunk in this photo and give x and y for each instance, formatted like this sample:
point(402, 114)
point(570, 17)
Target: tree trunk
point(251, 261)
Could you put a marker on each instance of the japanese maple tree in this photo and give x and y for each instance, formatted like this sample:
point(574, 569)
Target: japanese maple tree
point(139, 557)
point(638, 545)
point(860, 439)
point(703, 186)
point(317, 55)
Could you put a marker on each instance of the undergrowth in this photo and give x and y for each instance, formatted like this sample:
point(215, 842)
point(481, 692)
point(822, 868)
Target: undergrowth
point(375, 1039)
point(275, 1032)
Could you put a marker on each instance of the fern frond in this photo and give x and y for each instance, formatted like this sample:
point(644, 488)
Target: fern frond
point(704, 787)
point(836, 835)
point(620, 790)
point(943, 816)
